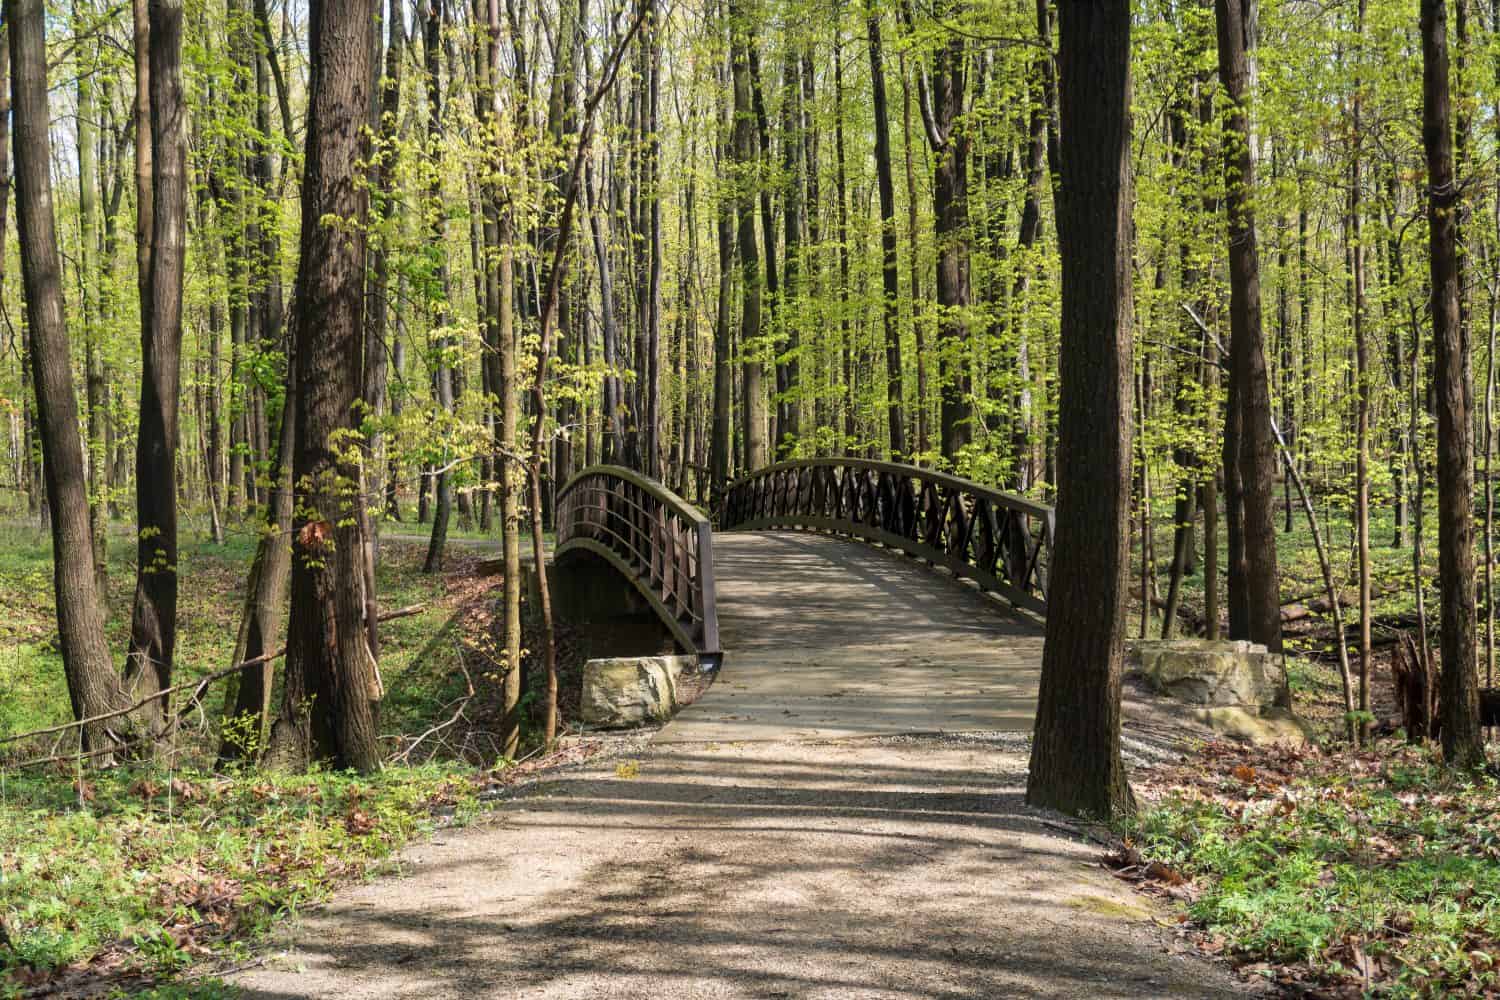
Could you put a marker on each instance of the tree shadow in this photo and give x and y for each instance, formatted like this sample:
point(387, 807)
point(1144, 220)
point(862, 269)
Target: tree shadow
point(869, 871)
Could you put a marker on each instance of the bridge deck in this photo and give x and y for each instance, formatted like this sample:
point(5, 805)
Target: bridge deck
point(831, 638)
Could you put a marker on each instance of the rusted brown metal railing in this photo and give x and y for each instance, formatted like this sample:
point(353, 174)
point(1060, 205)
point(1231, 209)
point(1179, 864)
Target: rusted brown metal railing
point(658, 541)
point(1000, 540)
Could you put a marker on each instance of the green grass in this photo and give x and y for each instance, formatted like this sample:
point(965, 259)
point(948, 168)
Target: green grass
point(1381, 864)
point(33, 694)
point(155, 869)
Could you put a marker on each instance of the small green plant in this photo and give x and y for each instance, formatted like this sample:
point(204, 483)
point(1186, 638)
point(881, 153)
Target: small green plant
point(1367, 867)
point(244, 848)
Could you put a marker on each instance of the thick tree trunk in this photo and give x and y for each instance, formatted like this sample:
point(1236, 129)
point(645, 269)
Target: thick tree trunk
point(1256, 453)
point(92, 684)
point(1463, 743)
point(153, 627)
point(1075, 759)
point(332, 690)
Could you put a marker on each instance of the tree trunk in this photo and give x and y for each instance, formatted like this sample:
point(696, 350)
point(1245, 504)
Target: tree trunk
point(93, 686)
point(722, 434)
point(1462, 737)
point(505, 433)
point(266, 235)
point(153, 627)
point(1256, 454)
point(941, 109)
point(917, 319)
point(89, 282)
point(243, 731)
point(1075, 759)
point(853, 371)
point(753, 407)
point(442, 381)
point(787, 374)
point(895, 419)
point(376, 368)
point(1362, 395)
point(510, 489)
point(332, 691)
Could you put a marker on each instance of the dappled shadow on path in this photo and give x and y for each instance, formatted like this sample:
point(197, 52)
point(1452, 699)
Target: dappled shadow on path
point(829, 637)
point(902, 868)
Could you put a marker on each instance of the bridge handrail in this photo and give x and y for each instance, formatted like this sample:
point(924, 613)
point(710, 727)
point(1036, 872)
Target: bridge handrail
point(1001, 540)
point(662, 543)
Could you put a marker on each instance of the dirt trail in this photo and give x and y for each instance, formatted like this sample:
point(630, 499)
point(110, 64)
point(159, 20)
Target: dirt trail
point(890, 867)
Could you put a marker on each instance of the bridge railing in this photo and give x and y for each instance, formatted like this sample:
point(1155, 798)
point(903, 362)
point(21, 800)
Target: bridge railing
point(658, 540)
point(1001, 540)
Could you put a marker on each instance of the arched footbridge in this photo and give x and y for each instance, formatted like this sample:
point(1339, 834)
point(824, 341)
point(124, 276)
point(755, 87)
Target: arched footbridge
point(845, 597)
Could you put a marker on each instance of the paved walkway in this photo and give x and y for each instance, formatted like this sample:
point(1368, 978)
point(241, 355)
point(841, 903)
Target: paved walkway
point(745, 854)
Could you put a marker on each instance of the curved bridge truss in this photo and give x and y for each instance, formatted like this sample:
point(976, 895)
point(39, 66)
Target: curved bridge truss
point(658, 541)
point(1001, 540)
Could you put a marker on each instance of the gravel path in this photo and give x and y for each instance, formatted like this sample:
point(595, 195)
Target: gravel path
point(890, 867)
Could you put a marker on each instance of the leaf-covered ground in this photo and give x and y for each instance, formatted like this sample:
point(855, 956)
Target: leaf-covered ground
point(1341, 873)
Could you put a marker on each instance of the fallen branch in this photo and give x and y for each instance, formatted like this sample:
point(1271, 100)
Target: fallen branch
point(200, 686)
point(458, 713)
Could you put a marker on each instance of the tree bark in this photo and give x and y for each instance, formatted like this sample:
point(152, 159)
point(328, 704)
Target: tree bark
point(442, 382)
point(383, 168)
point(753, 407)
point(1362, 390)
point(1256, 454)
point(93, 686)
point(153, 629)
point(788, 406)
point(1463, 743)
point(918, 321)
point(1075, 760)
point(243, 731)
point(89, 281)
point(722, 434)
point(895, 418)
point(332, 690)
